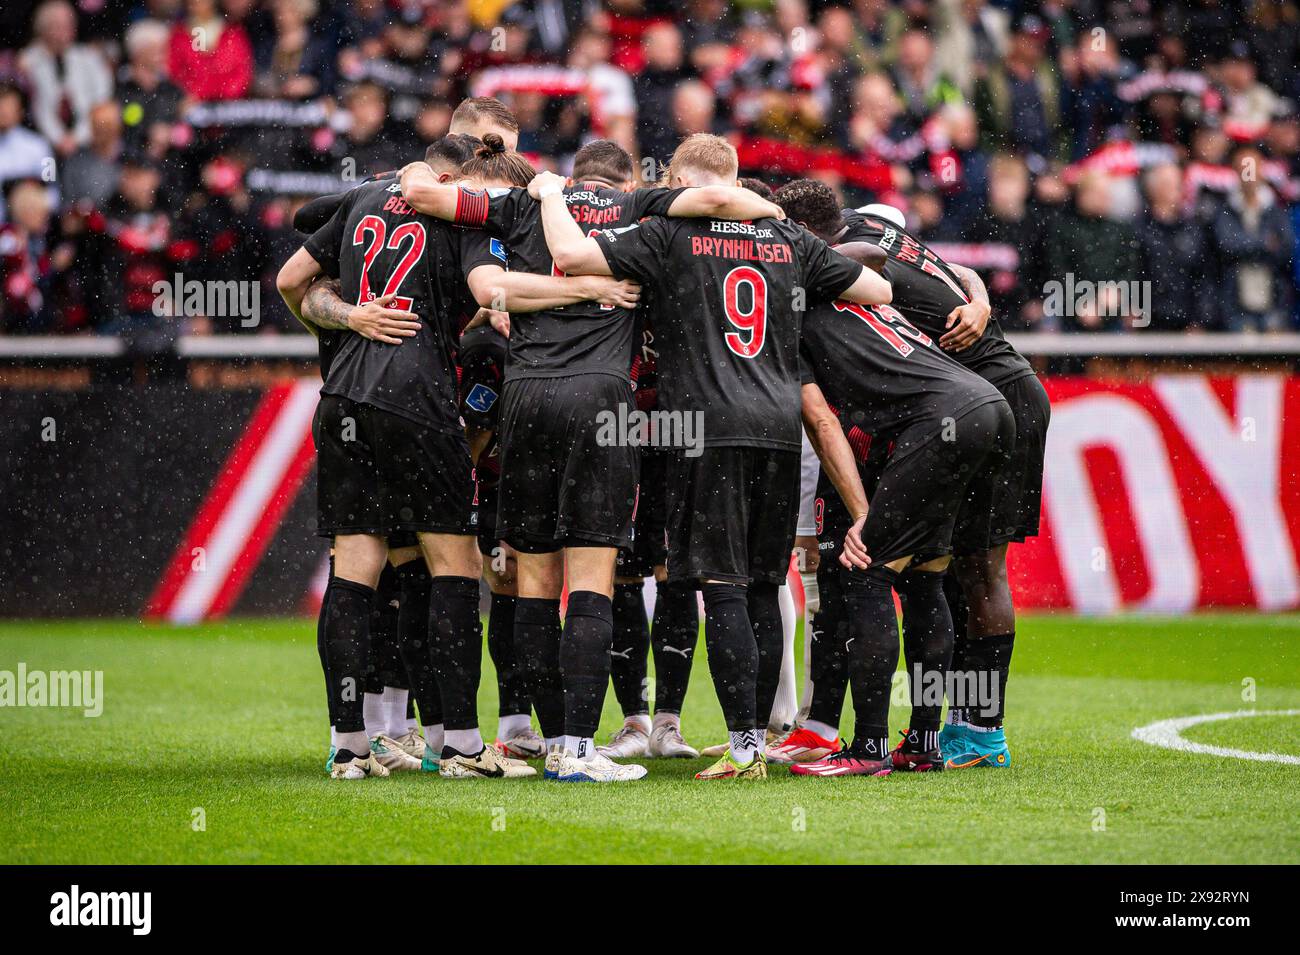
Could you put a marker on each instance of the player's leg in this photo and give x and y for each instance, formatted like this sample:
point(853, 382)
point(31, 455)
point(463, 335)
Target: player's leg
point(673, 638)
point(516, 736)
point(628, 655)
point(527, 513)
point(345, 611)
point(429, 489)
point(387, 684)
point(348, 511)
point(596, 502)
point(415, 583)
point(982, 656)
point(935, 483)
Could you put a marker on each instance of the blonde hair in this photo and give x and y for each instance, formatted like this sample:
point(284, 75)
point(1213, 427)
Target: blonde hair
point(707, 153)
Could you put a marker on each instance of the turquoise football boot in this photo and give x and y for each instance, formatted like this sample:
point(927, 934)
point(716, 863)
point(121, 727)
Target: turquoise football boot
point(976, 748)
point(430, 762)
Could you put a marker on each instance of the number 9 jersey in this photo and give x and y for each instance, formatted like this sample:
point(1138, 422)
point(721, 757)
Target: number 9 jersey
point(731, 297)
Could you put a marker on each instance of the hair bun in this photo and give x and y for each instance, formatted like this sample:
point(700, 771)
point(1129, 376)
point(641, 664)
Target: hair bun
point(492, 143)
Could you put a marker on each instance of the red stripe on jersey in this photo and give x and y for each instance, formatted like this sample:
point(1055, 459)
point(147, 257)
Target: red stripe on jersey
point(471, 207)
point(860, 442)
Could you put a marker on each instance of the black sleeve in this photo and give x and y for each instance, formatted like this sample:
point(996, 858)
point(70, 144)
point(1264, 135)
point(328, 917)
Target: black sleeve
point(636, 251)
point(326, 243)
point(478, 248)
point(316, 213)
point(806, 376)
point(653, 201)
point(826, 273)
point(482, 361)
point(499, 211)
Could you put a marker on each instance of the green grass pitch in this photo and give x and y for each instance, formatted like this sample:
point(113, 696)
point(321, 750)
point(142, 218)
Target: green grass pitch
point(226, 719)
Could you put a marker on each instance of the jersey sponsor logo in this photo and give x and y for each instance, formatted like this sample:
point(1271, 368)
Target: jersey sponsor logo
point(481, 398)
point(498, 248)
point(728, 227)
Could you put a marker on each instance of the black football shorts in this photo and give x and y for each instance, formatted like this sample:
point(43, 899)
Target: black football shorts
point(649, 547)
point(913, 509)
point(568, 477)
point(1004, 501)
point(732, 513)
point(381, 473)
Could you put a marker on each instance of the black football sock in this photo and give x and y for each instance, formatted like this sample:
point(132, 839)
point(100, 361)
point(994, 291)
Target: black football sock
point(584, 660)
point(346, 615)
point(927, 625)
point(456, 646)
point(675, 634)
point(627, 654)
point(322, 651)
point(769, 637)
point(511, 696)
point(960, 611)
point(828, 663)
point(537, 648)
point(987, 662)
point(733, 654)
point(417, 653)
point(872, 648)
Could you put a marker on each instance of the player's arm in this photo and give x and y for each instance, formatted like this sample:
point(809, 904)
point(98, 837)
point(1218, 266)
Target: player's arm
point(294, 279)
point(324, 307)
point(723, 202)
point(864, 253)
point(966, 323)
point(832, 447)
point(424, 193)
point(571, 251)
point(869, 288)
point(495, 288)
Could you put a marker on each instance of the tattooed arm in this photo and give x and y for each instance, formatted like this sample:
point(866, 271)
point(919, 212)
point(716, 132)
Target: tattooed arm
point(967, 323)
point(377, 320)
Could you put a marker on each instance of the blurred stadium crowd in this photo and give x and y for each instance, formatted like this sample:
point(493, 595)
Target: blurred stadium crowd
point(1037, 142)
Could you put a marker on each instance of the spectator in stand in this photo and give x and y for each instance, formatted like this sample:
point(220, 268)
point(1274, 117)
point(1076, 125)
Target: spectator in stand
point(367, 142)
point(1088, 246)
point(694, 110)
point(922, 86)
point(1094, 111)
point(208, 58)
point(1250, 104)
point(1003, 230)
point(67, 78)
point(1255, 242)
point(23, 153)
point(971, 36)
point(292, 62)
point(1019, 101)
point(1174, 249)
point(656, 87)
point(128, 247)
point(90, 174)
point(28, 266)
point(150, 101)
point(611, 87)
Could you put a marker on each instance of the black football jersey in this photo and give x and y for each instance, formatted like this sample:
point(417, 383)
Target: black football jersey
point(882, 373)
point(728, 304)
point(580, 338)
point(926, 291)
point(482, 373)
point(377, 245)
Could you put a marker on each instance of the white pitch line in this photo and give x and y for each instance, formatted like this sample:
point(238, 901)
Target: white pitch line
point(1168, 735)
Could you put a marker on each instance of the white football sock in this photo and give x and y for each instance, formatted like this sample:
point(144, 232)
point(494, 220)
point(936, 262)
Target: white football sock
point(467, 742)
point(433, 738)
point(395, 710)
point(580, 747)
point(785, 705)
point(824, 730)
point(745, 745)
point(374, 714)
point(512, 725)
point(356, 742)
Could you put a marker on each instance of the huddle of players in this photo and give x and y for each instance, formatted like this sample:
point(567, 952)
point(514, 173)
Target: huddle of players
point(726, 276)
